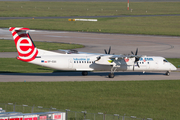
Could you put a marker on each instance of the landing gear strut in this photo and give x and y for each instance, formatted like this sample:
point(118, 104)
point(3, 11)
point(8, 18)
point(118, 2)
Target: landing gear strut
point(167, 73)
point(84, 73)
point(113, 69)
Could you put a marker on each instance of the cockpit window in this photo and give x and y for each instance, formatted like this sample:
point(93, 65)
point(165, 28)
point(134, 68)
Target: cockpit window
point(165, 60)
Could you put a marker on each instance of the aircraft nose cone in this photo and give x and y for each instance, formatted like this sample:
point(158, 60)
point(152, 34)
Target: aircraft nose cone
point(173, 67)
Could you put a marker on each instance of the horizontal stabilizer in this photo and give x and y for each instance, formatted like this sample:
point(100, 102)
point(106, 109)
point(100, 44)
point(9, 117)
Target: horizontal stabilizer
point(18, 28)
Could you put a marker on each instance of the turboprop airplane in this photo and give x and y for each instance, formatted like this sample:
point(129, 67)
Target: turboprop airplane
point(73, 60)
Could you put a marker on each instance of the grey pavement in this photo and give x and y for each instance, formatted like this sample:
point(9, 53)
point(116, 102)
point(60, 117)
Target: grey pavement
point(93, 76)
point(165, 46)
point(6, 18)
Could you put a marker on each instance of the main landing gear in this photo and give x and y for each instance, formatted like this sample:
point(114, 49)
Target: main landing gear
point(167, 73)
point(111, 75)
point(113, 69)
point(84, 73)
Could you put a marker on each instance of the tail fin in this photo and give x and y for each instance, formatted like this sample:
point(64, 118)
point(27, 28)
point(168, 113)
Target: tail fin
point(24, 44)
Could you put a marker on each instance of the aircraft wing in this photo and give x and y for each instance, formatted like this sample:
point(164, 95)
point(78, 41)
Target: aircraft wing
point(110, 59)
point(69, 51)
point(77, 52)
point(125, 56)
point(105, 59)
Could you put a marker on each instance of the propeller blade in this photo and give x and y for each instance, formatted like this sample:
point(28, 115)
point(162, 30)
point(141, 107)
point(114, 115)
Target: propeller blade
point(132, 52)
point(136, 51)
point(138, 64)
point(133, 67)
point(109, 50)
point(98, 58)
point(105, 51)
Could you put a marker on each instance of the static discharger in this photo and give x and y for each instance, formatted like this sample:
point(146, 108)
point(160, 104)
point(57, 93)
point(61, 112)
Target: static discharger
point(94, 20)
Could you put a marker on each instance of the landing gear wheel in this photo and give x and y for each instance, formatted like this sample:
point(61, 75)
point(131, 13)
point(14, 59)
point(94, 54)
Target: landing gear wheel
point(111, 75)
point(167, 73)
point(84, 73)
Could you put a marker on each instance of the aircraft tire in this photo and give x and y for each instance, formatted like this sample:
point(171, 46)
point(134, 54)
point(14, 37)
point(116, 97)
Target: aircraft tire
point(111, 75)
point(167, 73)
point(84, 73)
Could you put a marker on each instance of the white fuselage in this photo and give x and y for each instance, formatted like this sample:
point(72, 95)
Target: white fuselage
point(88, 62)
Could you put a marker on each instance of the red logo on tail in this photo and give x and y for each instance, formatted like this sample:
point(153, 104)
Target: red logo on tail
point(26, 49)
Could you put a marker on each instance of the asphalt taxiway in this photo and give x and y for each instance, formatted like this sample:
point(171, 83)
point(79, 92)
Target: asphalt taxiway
point(165, 46)
point(93, 76)
point(7, 18)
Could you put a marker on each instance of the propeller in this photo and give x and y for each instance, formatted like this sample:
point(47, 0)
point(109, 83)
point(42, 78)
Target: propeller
point(109, 51)
point(136, 52)
point(136, 58)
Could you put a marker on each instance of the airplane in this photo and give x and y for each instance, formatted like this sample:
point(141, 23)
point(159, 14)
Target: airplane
point(72, 60)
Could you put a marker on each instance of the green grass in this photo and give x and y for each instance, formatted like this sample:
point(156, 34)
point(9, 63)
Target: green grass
point(126, 25)
point(34, 9)
point(9, 46)
point(155, 99)
point(11, 65)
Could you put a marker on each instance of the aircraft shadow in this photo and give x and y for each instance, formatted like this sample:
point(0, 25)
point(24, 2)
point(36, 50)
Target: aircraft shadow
point(55, 73)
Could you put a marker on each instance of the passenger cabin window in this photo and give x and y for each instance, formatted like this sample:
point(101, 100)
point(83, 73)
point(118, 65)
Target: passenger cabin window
point(165, 60)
